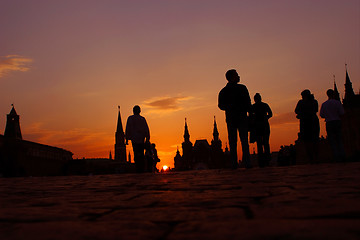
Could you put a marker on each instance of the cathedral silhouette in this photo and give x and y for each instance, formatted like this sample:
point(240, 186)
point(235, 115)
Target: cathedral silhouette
point(202, 155)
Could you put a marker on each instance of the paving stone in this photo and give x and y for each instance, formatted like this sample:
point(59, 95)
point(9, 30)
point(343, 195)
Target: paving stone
point(319, 201)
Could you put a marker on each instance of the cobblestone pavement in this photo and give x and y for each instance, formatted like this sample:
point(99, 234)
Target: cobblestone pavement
point(299, 202)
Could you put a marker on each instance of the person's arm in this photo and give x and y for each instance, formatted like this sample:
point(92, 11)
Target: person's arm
point(147, 131)
point(221, 100)
point(269, 112)
point(297, 108)
point(127, 131)
point(246, 99)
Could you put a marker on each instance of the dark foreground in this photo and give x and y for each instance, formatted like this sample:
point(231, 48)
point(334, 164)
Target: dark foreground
point(298, 202)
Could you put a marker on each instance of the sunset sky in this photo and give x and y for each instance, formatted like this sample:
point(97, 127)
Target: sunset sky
point(67, 65)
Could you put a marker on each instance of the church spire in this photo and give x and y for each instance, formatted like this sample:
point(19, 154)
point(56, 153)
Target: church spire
point(337, 95)
point(119, 127)
point(186, 133)
point(349, 91)
point(215, 131)
point(120, 147)
point(12, 129)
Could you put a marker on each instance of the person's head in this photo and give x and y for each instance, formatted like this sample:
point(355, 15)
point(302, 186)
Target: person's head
point(306, 94)
point(232, 76)
point(257, 97)
point(330, 93)
point(136, 110)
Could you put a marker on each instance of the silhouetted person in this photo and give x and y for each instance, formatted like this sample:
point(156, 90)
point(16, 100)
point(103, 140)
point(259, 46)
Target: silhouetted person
point(151, 157)
point(332, 110)
point(261, 112)
point(155, 156)
point(234, 99)
point(138, 132)
point(306, 110)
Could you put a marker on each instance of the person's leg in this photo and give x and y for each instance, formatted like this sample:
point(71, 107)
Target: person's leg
point(340, 151)
point(232, 135)
point(139, 157)
point(259, 144)
point(267, 153)
point(331, 136)
point(243, 133)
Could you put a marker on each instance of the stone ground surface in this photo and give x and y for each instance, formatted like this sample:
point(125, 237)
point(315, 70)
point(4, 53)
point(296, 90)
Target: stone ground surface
point(298, 202)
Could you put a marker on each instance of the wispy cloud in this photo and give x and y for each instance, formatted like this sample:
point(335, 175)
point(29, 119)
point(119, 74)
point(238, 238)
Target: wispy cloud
point(283, 118)
point(14, 63)
point(165, 104)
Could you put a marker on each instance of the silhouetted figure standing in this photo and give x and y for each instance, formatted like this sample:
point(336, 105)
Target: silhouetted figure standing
point(332, 110)
point(261, 112)
point(306, 110)
point(138, 132)
point(234, 99)
point(151, 157)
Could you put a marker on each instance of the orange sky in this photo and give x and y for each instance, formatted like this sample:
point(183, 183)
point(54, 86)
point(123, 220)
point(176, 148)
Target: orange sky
point(67, 65)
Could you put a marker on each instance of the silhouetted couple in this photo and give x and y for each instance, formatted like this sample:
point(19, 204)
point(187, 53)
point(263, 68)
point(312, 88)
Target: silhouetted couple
point(306, 110)
point(235, 100)
point(331, 110)
point(137, 130)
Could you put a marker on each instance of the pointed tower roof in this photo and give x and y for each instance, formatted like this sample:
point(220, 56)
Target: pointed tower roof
point(13, 111)
point(215, 131)
point(337, 95)
point(186, 132)
point(120, 147)
point(177, 152)
point(119, 127)
point(12, 128)
point(349, 91)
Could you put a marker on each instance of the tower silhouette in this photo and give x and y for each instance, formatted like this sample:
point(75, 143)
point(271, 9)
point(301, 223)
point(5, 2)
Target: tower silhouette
point(120, 147)
point(337, 95)
point(349, 91)
point(202, 155)
point(12, 129)
point(187, 147)
point(216, 142)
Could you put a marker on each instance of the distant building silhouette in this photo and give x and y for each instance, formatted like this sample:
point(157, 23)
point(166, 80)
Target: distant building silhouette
point(350, 128)
point(12, 129)
point(19, 157)
point(202, 155)
point(120, 146)
point(351, 120)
